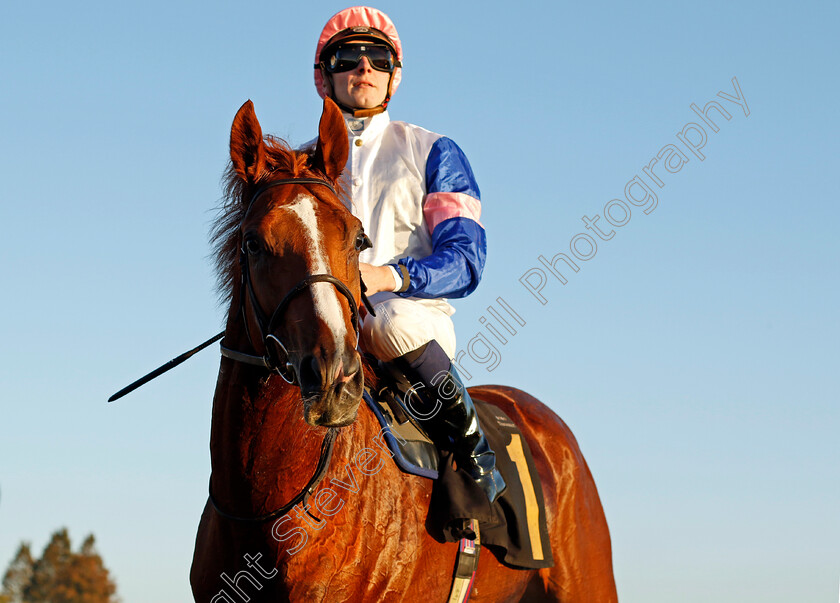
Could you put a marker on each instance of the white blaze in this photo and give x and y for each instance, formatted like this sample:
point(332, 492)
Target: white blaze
point(327, 304)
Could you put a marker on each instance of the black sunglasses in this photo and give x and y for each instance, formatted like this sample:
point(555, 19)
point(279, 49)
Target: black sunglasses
point(347, 58)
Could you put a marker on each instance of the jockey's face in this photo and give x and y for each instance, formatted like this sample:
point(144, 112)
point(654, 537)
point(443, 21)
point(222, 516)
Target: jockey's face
point(361, 88)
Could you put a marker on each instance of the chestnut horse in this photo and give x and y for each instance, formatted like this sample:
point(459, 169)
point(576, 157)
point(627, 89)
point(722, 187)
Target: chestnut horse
point(364, 537)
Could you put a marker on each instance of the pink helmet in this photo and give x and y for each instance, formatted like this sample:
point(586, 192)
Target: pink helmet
point(360, 19)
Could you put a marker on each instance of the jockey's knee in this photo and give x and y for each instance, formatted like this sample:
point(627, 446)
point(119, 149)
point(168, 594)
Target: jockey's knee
point(384, 335)
point(403, 325)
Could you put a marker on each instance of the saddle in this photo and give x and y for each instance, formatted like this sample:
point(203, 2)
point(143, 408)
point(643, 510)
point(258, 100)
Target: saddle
point(515, 523)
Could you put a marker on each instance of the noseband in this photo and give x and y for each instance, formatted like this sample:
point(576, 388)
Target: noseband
point(281, 365)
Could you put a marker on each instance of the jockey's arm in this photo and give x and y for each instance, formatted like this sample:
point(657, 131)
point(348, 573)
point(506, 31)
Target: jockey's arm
point(451, 209)
point(452, 270)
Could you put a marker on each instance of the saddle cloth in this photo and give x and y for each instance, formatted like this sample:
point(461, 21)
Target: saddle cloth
point(515, 523)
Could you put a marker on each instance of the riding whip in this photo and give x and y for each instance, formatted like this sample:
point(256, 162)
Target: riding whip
point(168, 366)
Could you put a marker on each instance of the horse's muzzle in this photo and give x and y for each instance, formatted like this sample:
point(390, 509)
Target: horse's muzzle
point(331, 390)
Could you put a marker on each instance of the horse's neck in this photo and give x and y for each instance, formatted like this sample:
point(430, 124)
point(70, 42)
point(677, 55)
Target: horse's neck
point(262, 451)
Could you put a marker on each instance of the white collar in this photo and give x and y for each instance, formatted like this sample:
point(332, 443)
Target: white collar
point(366, 127)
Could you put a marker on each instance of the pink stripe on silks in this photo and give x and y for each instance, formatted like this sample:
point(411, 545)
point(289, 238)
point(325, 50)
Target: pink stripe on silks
point(442, 206)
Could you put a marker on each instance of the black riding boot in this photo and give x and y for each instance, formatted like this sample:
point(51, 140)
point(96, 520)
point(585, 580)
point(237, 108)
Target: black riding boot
point(441, 402)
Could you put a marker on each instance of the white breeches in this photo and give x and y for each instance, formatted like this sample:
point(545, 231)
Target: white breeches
point(404, 324)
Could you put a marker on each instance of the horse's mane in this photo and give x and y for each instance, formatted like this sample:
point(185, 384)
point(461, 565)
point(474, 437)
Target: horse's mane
point(224, 235)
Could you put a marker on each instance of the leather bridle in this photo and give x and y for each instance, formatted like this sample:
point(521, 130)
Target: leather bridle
point(281, 364)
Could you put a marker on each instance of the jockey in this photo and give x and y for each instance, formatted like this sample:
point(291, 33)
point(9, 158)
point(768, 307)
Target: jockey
point(417, 198)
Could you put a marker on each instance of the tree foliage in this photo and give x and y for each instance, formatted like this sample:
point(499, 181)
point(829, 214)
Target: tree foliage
point(17, 576)
point(59, 576)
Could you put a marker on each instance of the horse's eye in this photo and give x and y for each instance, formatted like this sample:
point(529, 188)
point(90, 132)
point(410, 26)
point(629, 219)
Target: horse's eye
point(252, 246)
point(363, 242)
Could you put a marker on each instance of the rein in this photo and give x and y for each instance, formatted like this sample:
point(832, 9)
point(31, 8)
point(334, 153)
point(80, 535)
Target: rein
point(282, 366)
point(302, 496)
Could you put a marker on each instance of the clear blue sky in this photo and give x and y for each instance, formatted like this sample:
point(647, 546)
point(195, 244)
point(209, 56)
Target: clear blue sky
point(695, 356)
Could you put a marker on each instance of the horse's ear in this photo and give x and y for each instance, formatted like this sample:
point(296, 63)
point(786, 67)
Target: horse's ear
point(332, 148)
point(247, 150)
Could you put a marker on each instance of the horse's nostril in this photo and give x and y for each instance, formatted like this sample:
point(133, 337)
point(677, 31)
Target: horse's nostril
point(353, 366)
point(318, 374)
point(310, 372)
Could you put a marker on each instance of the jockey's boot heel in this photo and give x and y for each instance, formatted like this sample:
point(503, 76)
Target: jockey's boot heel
point(448, 414)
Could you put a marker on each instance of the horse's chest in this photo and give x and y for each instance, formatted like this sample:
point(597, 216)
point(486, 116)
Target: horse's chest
point(364, 556)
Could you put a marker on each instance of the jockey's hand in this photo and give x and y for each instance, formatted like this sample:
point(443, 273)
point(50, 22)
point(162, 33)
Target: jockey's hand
point(377, 278)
